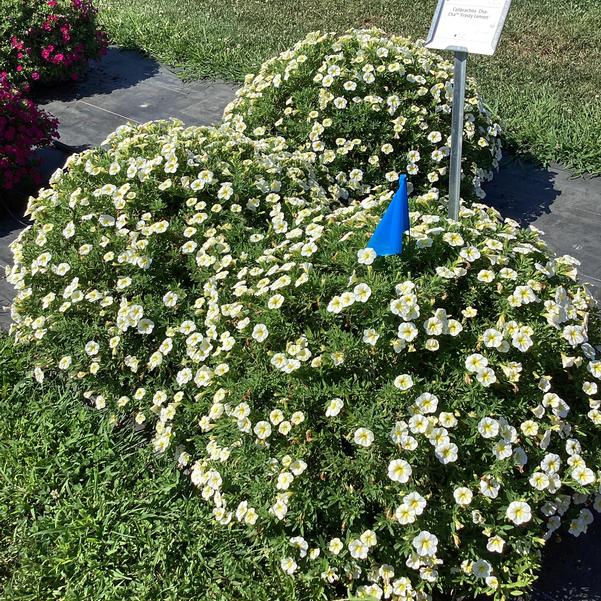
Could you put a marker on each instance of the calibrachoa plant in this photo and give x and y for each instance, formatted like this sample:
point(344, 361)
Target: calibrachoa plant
point(370, 106)
point(383, 427)
point(23, 128)
point(48, 41)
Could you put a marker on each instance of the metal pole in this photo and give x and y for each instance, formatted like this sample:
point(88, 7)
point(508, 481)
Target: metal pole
point(457, 134)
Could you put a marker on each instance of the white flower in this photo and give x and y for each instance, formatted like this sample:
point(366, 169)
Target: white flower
point(362, 293)
point(446, 453)
point(334, 407)
point(486, 376)
point(481, 569)
point(170, 299)
point(65, 362)
point(399, 470)
point(521, 341)
point(370, 336)
point(583, 475)
point(415, 502)
point(518, 512)
point(425, 544)
point(363, 437)
point(358, 549)
point(486, 276)
point(539, 480)
point(488, 427)
point(92, 348)
point(335, 546)
point(260, 332)
point(369, 538)
point(262, 430)
point(276, 301)
point(495, 544)
point(575, 335)
point(366, 256)
point(335, 305)
point(288, 565)
point(403, 382)
point(405, 514)
point(285, 479)
point(475, 362)
point(463, 496)
point(407, 331)
point(427, 403)
point(492, 338)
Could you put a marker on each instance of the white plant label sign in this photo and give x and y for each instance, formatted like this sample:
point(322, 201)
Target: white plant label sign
point(468, 25)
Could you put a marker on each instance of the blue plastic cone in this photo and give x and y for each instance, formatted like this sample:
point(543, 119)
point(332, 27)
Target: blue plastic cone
point(388, 237)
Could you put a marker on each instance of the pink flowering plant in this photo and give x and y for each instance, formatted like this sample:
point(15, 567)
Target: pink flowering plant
point(23, 127)
point(48, 41)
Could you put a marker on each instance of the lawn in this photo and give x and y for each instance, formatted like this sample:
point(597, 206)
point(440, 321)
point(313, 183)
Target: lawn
point(544, 81)
point(88, 511)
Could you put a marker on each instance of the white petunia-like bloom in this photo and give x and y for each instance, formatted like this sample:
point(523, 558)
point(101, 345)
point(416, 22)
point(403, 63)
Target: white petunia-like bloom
point(405, 514)
point(403, 382)
point(518, 512)
point(362, 293)
point(583, 475)
point(475, 363)
point(399, 470)
point(407, 331)
point(539, 480)
point(447, 452)
point(463, 496)
point(170, 299)
point(335, 546)
point(486, 376)
point(486, 276)
point(358, 549)
point(334, 407)
point(260, 332)
point(363, 437)
point(370, 336)
point(495, 544)
point(288, 565)
point(427, 403)
point(481, 569)
point(92, 348)
point(425, 544)
point(488, 427)
point(366, 256)
point(492, 338)
point(335, 305)
point(262, 430)
point(575, 335)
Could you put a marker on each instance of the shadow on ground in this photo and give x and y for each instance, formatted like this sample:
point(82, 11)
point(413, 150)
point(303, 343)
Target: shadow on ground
point(566, 208)
point(572, 568)
point(118, 70)
point(126, 86)
point(523, 190)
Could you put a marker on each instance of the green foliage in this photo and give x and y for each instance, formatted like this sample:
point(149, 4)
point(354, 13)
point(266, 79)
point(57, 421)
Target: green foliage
point(370, 106)
point(88, 512)
point(543, 81)
point(355, 425)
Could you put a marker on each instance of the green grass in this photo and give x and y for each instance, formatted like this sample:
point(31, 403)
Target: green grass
point(89, 513)
point(544, 81)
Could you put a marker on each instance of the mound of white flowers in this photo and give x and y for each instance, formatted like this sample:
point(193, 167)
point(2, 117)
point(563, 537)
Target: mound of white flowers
point(370, 106)
point(381, 427)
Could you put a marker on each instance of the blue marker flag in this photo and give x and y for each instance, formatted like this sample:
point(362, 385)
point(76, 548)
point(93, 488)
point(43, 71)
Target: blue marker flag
point(388, 237)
